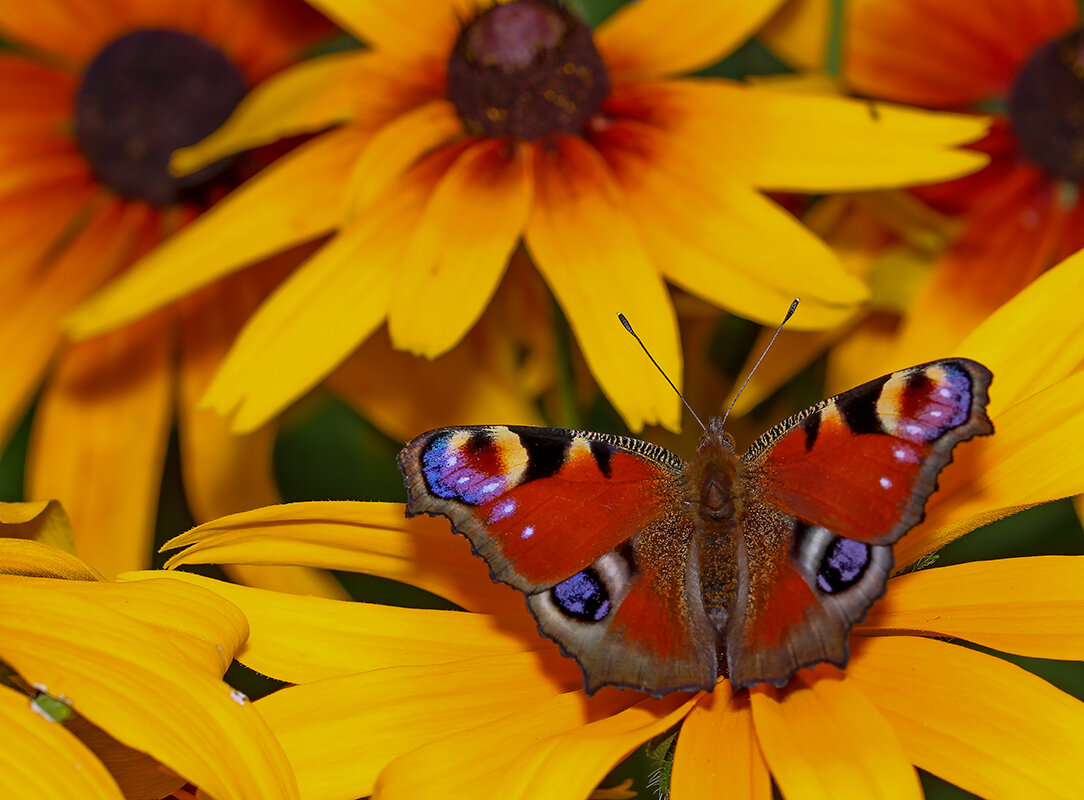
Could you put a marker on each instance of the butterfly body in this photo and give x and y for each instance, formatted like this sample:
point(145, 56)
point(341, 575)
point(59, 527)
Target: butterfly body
point(662, 575)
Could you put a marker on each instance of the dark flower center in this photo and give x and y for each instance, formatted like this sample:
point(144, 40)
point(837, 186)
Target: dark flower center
point(145, 95)
point(1046, 106)
point(526, 69)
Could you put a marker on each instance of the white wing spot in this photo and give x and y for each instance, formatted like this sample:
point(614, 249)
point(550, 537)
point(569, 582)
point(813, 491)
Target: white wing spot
point(904, 454)
point(935, 413)
point(491, 487)
point(944, 392)
point(528, 532)
point(912, 428)
point(451, 461)
point(463, 480)
point(885, 483)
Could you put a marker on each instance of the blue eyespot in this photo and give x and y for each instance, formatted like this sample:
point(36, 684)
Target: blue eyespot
point(582, 597)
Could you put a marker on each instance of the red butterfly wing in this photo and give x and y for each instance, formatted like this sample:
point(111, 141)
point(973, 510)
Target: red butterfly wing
point(827, 492)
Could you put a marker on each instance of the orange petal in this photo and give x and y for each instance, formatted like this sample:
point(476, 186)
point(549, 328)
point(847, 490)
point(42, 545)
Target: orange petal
point(586, 246)
point(1045, 618)
point(40, 758)
point(519, 745)
point(717, 753)
point(341, 732)
point(823, 738)
point(659, 37)
point(984, 724)
point(99, 441)
point(375, 538)
point(460, 247)
point(305, 639)
point(286, 204)
point(68, 30)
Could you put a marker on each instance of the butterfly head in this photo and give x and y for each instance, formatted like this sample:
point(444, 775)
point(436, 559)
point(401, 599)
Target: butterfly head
point(714, 437)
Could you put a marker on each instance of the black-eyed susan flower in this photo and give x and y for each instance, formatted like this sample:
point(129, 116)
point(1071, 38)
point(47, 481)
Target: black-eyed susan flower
point(426, 703)
point(1021, 62)
point(95, 98)
point(115, 690)
point(470, 127)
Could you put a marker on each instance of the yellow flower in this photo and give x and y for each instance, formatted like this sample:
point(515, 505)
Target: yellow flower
point(428, 703)
point(94, 99)
point(471, 126)
point(113, 690)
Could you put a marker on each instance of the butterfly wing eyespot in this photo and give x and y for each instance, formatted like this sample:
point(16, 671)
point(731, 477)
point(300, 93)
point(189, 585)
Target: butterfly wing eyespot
point(830, 490)
point(585, 525)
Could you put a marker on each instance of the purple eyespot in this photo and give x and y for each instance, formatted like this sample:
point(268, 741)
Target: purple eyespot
point(469, 472)
point(843, 565)
point(582, 597)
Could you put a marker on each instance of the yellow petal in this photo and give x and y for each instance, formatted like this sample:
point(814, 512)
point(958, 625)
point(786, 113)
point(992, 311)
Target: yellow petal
point(307, 97)
point(460, 247)
point(1045, 618)
point(823, 738)
point(43, 521)
point(394, 148)
point(799, 33)
point(1034, 457)
point(304, 639)
point(153, 686)
point(41, 759)
point(27, 557)
point(844, 144)
point(339, 733)
point(717, 755)
point(658, 37)
point(587, 248)
point(722, 240)
point(286, 204)
point(425, 26)
point(518, 746)
point(375, 538)
point(984, 724)
point(1035, 339)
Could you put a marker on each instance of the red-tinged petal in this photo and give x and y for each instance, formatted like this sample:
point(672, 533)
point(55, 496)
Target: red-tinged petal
point(967, 601)
point(308, 97)
point(718, 756)
point(586, 246)
point(29, 88)
point(37, 560)
point(394, 148)
point(823, 738)
point(747, 133)
point(661, 37)
point(286, 204)
point(341, 732)
point(304, 639)
point(99, 441)
point(945, 54)
point(721, 239)
point(987, 726)
point(516, 746)
point(145, 681)
point(375, 538)
point(39, 758)
point(1033, 458)
point(460, 247)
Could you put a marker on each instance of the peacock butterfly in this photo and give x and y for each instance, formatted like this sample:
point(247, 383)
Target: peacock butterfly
point(660, 575)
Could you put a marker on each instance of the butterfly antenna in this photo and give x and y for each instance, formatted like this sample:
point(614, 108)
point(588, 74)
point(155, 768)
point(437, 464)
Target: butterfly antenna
point(790, 313)
point(628, 327)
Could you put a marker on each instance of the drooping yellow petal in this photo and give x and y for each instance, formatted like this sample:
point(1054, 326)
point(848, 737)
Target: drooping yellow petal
point(310, 96)
point(460, 247)
point(415, 30)
point(798, 33)
point(43, 521)
point(722, 240)
point(718, 756)
point(375, 538)
point(517, 746)
point(660, 37)
point(587, 248)
point(988, 726)
point(1044, 619)
point(823, 738)
point(286, 204)
point(394, 148)
point(1034, 457)
point(41, 759)
point(341, 732)
point(845, 144)
point(34, 559)
point(303, 639)
point(1035, 339)
point(150, 685)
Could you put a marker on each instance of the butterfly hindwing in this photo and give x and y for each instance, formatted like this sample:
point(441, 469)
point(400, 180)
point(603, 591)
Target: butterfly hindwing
point(829, 491)
point(586, 525)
